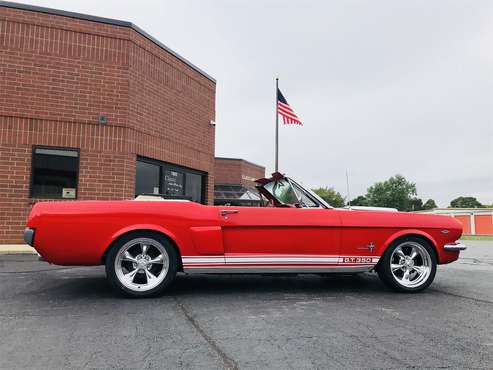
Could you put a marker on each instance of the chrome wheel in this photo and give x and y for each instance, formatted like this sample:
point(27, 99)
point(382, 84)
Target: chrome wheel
point(141, 264)
point(410, 264)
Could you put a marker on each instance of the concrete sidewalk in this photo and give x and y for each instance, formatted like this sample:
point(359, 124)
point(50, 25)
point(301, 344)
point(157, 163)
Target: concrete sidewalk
point(16, 249)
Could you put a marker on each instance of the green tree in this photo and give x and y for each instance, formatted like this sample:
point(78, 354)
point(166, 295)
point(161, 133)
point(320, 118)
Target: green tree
point(416, 204)
point(396, 192)
point(430, 204)
point(331, 196)
point(465, 202)
point(359, 201)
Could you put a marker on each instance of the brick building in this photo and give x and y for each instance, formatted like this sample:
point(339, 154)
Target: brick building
point(94, 108)
point(234, 182)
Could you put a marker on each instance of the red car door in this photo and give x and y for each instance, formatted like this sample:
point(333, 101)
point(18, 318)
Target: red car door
point(291, 239)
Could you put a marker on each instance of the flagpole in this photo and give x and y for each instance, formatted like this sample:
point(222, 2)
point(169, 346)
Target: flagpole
point(277, 128)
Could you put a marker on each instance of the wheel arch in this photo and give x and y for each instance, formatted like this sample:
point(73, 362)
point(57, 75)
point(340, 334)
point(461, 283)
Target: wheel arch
point(409, 232)
point(155, 229)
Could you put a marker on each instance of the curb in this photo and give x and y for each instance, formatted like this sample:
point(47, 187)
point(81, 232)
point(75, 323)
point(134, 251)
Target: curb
point(16, 249)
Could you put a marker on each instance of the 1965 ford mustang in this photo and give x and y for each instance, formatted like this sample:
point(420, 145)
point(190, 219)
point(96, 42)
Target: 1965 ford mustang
point(144, 243)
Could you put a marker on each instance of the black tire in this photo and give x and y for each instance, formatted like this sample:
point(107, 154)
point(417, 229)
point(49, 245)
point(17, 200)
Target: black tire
point(427, 260)
point(155, 240)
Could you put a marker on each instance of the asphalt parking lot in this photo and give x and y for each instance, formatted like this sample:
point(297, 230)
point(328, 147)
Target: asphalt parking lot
point(53, 317)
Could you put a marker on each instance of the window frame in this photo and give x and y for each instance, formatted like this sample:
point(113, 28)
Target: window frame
point(31, 179)
point(174, 167)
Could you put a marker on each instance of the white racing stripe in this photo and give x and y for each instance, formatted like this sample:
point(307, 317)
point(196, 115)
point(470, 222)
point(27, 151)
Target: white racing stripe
point(309, 260)
point(282, 259)
point(203, 260)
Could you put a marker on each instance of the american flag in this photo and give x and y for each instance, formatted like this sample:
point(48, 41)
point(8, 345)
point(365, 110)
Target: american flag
point(287, 113)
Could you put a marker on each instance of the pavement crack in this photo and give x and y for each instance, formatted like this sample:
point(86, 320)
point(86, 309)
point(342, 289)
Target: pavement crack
point(461, 296)
point(227, 363)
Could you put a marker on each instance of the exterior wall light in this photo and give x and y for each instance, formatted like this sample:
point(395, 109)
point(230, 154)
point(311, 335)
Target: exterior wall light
point(103, 120)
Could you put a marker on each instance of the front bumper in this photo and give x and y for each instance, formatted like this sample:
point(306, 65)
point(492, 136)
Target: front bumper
point(454, 247)
point(29, 236)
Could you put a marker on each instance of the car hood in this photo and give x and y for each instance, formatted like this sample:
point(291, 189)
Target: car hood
point(408, 220)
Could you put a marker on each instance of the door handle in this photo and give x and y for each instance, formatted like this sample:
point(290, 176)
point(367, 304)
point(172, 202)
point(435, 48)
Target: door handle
point(226, 212)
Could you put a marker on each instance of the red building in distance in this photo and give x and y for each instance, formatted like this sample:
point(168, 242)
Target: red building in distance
point(235, 182)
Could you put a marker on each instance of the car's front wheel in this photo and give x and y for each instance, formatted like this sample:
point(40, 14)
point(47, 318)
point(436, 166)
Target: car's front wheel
point(408, 265)
point(141, 264)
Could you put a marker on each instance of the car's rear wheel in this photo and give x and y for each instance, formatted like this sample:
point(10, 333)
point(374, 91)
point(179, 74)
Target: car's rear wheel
point(141, 264)
point(408, 265)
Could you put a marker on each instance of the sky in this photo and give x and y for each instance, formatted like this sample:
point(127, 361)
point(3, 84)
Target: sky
point(382, 87)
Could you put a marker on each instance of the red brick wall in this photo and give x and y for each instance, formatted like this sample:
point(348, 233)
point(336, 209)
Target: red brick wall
point(58, 74)
point(171, 107)
point(59, 68)
point(104, 175)
point(234, 171)
point(227, 171)
point(15, 167)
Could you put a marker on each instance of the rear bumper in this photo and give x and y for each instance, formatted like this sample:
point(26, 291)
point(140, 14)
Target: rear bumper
point(29, 236)
point(454, 247)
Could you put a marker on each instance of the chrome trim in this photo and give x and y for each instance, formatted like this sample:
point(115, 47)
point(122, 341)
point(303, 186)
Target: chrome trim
point(29, 236)
point(226, 212)
point(275, 270)
point(377, 209)
point(454, 247)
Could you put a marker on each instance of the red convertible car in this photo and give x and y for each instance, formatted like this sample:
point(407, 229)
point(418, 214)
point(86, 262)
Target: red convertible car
point(144, 243)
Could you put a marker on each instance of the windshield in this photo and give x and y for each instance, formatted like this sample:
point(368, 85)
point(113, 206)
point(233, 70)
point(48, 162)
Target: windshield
point(317, 197)
point(303, 198)
point(283, 191)
point(288, 192)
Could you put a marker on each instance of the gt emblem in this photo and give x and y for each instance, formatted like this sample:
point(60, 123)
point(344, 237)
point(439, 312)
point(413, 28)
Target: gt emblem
point(357, 260)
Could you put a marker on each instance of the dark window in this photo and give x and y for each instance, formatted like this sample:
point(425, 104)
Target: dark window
point(194, 186)
point(167, 179)
point(54, 173)
point(147, 178)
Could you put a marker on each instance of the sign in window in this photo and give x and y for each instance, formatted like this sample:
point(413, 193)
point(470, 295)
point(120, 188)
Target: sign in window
point(173, 182)
point(156, 177)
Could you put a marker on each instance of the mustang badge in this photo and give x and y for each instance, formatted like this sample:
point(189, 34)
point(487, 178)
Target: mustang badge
point(370, 247)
